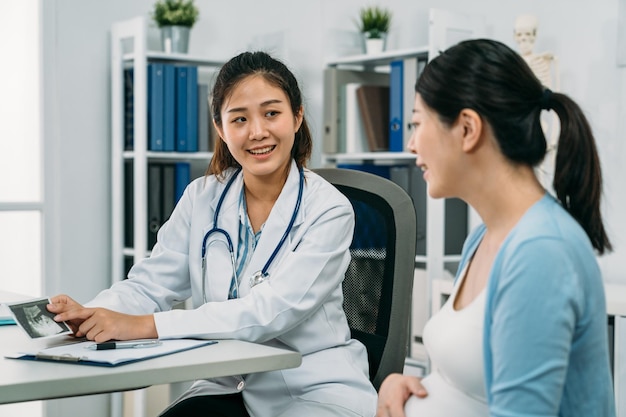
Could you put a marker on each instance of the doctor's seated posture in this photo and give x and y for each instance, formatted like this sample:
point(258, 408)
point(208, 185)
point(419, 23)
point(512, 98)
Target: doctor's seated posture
point(261, 245)
point(524, 332)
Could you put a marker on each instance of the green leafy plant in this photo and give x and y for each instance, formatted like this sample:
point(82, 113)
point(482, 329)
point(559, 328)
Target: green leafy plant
point(374, 21)
point(175, 13)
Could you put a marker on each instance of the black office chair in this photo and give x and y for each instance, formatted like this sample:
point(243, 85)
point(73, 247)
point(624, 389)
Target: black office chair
point(379, 280)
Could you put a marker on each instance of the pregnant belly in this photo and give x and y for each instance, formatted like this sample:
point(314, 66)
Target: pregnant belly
point(444, 400)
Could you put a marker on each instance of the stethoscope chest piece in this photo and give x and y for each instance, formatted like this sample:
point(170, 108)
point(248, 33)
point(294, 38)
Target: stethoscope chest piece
point(257, 278)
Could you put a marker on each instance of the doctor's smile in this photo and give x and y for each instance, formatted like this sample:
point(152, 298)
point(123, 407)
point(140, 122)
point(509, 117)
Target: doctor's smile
point(262, 151)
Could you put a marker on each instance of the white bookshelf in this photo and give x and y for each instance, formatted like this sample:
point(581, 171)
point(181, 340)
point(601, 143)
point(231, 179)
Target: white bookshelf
point(129, 40)
point(445, 29)
point(129, 49)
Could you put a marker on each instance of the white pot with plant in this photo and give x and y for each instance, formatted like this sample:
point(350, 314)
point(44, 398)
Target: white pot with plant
point(175, 19)
point(374, 23)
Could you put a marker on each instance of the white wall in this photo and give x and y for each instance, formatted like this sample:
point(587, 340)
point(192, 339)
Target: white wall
point(76, 54)
point(76, 109)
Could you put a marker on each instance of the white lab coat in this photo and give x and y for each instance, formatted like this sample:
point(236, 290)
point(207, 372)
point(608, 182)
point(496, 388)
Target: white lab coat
point(299, 305)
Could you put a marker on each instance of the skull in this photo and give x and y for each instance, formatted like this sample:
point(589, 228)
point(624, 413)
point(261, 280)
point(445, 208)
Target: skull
point(525, 33)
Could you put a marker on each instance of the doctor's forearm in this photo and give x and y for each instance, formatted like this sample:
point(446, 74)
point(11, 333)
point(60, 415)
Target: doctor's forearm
point(147, 327)
point(136, 327)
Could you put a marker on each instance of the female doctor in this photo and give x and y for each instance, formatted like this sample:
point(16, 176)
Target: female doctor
point(261, 245)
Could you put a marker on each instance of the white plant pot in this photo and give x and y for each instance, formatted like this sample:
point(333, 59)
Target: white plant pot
point(374, 45)
point(175, 39)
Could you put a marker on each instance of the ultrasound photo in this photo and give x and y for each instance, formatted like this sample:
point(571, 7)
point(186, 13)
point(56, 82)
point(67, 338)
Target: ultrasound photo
point(36, 320)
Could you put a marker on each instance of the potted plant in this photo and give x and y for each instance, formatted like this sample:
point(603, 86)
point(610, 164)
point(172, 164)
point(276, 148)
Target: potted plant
point(374, 23)
point(175, 19)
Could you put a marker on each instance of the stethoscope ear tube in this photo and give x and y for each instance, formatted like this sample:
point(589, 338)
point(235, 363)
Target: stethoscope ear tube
point(264, 273)
point(231, 251)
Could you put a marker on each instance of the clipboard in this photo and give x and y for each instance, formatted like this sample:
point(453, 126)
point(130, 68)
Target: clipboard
point(81, 354)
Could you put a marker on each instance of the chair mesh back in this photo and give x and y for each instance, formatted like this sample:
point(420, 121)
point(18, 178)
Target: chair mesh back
point(368, 282)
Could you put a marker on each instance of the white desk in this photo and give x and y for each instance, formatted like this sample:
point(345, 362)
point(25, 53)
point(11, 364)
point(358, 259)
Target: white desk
point(23, 380)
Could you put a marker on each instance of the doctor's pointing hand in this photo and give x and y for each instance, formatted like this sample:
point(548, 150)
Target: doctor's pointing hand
point(101, 324)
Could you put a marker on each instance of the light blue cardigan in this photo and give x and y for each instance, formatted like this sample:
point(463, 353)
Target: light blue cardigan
point(545, 339)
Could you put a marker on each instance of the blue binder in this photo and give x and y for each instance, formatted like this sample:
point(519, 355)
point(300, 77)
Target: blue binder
point(396, 104)
point(168, 190)
point(181, 108)
point(155, 198)
point(169, 108)
point(183, 177)
point(366, 237)
point(155, 107)
point(187, 109)
point(129, 109)
point(380, 170)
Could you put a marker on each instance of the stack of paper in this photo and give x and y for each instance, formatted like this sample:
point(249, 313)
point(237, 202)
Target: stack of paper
point(82, 353)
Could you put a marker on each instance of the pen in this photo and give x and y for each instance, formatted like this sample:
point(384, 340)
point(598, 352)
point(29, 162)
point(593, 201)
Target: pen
point(131, 344)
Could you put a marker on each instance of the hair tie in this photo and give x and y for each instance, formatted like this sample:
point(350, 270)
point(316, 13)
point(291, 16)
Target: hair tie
point(544, 101)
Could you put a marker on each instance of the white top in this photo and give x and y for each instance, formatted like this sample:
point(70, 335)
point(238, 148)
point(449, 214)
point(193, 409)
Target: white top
point(453, 338)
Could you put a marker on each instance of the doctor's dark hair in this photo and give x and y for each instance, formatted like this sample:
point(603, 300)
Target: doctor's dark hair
point(277, 74)
point(490, 78)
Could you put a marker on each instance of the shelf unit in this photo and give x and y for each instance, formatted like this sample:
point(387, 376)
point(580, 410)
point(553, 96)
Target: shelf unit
point(616, 310)
point(129, 40)
point(434, 266)
point(129, 49)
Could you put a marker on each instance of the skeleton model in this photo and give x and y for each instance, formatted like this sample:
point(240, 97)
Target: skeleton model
point(545, 67)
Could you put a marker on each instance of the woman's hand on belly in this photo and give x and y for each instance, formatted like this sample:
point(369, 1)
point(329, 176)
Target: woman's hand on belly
point(395, 391)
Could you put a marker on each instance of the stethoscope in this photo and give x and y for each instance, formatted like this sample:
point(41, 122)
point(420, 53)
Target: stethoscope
point(259, 276)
